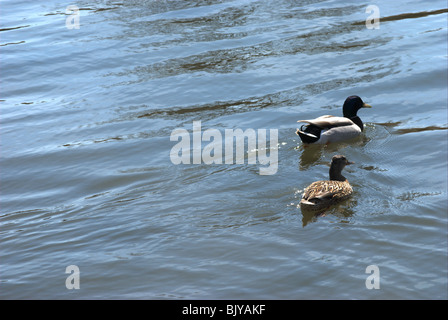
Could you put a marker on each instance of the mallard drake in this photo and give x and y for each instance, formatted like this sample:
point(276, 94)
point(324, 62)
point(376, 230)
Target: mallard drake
point(322, 194)
point(326, 129)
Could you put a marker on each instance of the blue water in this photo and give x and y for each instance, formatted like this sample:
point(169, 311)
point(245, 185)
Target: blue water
point(86, 177)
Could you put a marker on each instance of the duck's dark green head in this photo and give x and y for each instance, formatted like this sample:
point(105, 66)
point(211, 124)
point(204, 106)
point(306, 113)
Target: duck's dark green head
point(351, 106)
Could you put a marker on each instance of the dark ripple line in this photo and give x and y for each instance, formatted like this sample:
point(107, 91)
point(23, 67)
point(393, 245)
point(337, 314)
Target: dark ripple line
point(403, 16)
point(413, 130)
point(291, 97)
point(14, 28)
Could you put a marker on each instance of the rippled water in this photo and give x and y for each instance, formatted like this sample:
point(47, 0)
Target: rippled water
point(86, 175)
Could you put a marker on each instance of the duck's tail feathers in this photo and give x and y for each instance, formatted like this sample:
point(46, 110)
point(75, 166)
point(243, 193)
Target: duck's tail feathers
point(307, 137)
point(307, 203)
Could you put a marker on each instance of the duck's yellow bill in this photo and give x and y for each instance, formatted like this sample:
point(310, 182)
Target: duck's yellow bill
point(365, 105)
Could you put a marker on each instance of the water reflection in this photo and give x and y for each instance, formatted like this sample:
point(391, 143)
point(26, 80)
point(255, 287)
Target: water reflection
point(309, 155)
point(312, 154)
point(342, 211)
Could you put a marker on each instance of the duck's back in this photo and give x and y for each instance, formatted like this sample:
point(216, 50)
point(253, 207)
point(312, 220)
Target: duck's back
point(324, 193)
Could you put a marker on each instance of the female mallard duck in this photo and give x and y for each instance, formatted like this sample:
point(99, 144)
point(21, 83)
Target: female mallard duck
point(322, 194)
point(326, 129)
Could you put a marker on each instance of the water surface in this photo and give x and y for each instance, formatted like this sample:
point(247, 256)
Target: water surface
point(86, 175)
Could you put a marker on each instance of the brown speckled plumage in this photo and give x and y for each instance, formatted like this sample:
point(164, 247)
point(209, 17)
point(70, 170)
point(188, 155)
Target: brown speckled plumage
point(323, 194)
